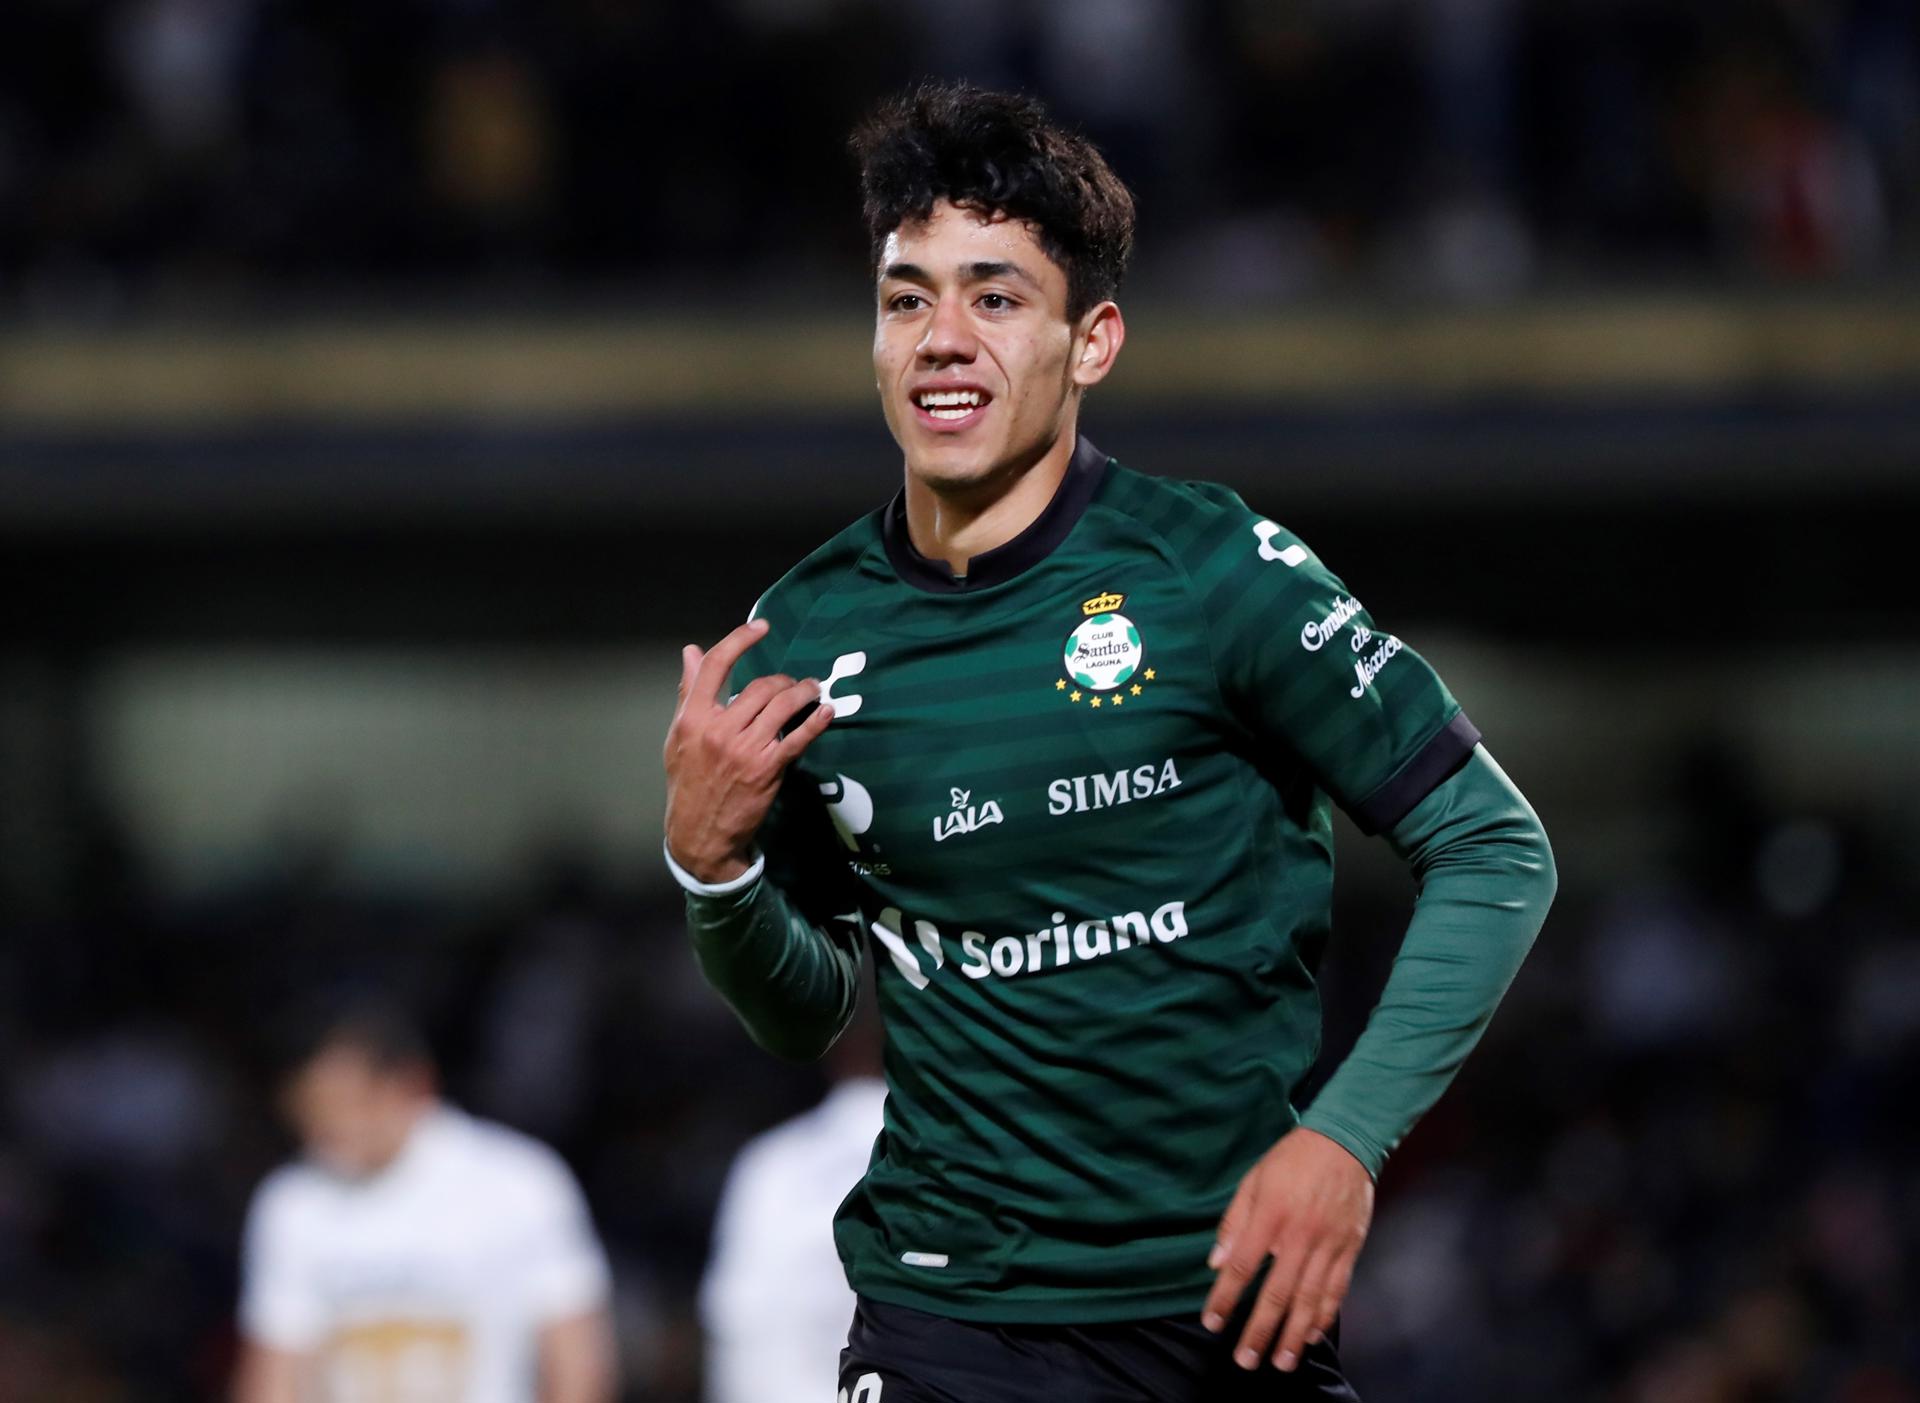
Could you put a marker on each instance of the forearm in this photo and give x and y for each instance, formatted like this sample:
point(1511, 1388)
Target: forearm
point(268, 1375)
point(1486, 878)
point(578, 1360)
point(791, 983)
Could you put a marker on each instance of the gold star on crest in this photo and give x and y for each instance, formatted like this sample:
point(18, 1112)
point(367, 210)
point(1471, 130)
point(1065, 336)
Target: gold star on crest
point(1094, 702)
point(1060, 685)
point(1149, 674)
point(1118, 701)
point(1075, 696)
point(1135, 689)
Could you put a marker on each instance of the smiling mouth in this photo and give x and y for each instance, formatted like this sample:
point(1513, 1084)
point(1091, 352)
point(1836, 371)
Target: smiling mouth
point(951, 408)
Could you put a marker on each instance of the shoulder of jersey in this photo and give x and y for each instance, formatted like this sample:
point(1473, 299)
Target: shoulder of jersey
point(1193, 518)
point(794, 593)
point(1170, 502)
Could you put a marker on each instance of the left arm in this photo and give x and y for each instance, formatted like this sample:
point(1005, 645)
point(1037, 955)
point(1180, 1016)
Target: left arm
point(1316, 683)
point(577, 1358)
point(1486, 877)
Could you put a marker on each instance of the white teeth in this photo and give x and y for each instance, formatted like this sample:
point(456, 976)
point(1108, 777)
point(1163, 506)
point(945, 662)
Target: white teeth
point(930, 399)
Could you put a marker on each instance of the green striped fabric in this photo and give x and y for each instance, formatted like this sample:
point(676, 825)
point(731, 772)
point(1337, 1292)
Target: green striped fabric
point(1081, 818)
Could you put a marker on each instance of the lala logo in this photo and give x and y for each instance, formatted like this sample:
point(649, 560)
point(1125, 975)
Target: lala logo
point(964, 817)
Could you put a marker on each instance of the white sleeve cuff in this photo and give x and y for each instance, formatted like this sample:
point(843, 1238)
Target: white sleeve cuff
point(699, 888)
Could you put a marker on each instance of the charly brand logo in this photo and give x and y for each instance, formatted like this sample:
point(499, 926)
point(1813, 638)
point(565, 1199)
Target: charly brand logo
point(1295, 554)
point(845, 666)
point(965, 816)
point(921, 952)
point(1103, 656)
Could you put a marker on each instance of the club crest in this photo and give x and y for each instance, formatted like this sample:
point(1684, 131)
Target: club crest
point(1104, 657)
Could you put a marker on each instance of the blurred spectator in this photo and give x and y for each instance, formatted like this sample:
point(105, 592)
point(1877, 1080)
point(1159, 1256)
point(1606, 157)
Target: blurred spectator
point(775, 1301)
point(488, 146)
point(154, 148)
point(180, 62)
point(417, 1253)
point(1795, 192)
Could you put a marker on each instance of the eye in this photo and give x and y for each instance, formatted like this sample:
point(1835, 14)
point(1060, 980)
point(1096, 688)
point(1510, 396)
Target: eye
point(997, 302)
point(904, 302)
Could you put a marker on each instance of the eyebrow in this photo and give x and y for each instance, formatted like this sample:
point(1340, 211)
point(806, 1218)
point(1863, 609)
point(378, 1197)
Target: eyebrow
point(983, 270)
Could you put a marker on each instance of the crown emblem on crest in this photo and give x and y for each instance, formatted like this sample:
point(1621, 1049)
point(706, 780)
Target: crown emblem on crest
point(1103, 604)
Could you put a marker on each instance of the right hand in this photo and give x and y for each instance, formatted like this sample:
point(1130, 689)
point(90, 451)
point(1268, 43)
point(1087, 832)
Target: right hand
point(725, 760)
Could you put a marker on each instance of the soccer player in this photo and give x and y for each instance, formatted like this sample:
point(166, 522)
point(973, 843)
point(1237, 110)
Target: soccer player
point(774, 1300)
point(418, 1255)
point(1078, 733)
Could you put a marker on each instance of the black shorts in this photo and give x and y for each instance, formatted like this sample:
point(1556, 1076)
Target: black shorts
point(895, 1354)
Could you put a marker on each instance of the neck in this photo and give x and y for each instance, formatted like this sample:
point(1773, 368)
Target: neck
point(955, 525)
point(405, 1128)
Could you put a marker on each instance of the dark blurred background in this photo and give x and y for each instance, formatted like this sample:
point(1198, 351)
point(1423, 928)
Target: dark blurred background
point(388, 388)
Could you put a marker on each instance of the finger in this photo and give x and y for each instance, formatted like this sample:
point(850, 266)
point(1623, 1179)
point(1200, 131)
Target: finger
point(1302, 1310)
point(745, 709)
point(1276, 1293)
point(689, 664)
point(719, 661)
point(781, 708)
point(1229, 1225)
point(805, 734)
point(1333, 1291)
point(1251, 1234)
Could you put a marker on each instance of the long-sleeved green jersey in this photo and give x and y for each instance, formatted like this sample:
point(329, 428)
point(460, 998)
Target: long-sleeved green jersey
point(1077, 803)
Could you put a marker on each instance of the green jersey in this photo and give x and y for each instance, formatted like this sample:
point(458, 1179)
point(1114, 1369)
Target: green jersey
point(1077, 805)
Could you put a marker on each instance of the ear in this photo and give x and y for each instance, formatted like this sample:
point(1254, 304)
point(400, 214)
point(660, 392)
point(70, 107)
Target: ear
point(1103, 332)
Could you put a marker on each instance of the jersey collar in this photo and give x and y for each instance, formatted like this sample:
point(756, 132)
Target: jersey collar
point(1002, 563)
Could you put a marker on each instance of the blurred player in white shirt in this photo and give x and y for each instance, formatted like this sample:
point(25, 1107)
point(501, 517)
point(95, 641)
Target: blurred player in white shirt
point(416, 1254)
point(775, 1301)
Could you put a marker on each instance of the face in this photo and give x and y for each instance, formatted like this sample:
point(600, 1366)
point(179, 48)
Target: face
point(354, 1116)
point(978, 367)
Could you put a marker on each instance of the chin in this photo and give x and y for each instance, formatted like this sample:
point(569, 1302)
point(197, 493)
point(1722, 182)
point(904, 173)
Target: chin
point(950, 467)
point(945, 478)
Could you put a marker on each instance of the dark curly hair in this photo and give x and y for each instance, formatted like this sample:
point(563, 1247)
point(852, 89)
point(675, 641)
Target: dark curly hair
point(997, 153)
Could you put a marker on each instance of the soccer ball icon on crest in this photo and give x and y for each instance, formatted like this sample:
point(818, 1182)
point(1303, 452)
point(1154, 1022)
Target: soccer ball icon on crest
point(1104, 652)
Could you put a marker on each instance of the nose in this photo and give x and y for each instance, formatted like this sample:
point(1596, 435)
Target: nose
point(949, 335)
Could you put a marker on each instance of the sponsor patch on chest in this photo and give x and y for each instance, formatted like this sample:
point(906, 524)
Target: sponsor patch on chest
point(965, 816)
point(1076, 794)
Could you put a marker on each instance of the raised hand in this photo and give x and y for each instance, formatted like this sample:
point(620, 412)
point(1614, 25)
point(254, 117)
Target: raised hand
point(725, 759)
